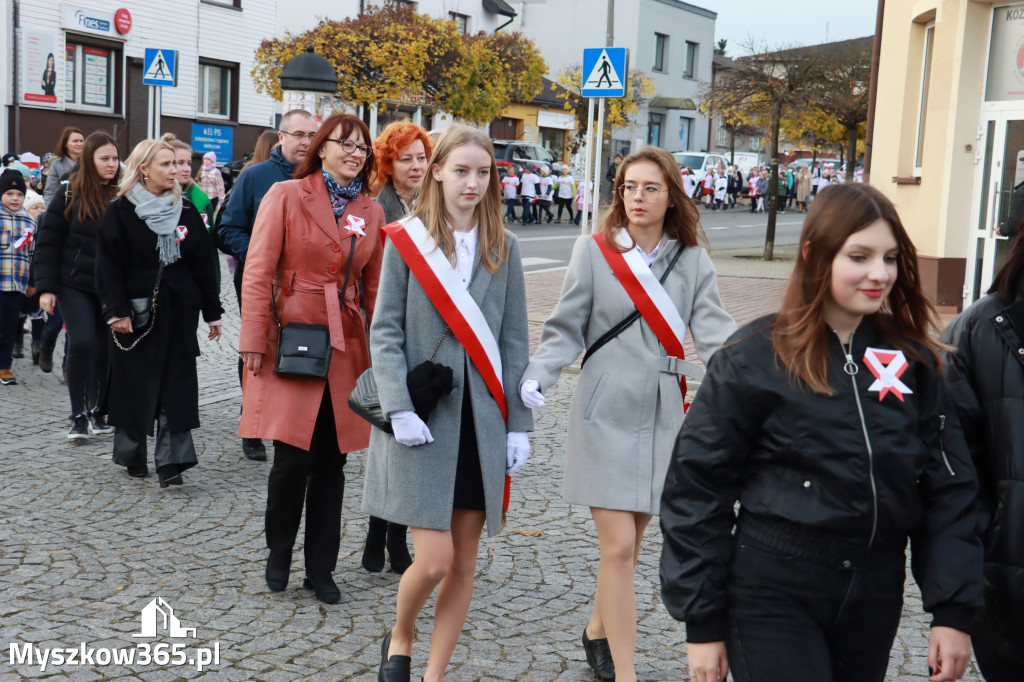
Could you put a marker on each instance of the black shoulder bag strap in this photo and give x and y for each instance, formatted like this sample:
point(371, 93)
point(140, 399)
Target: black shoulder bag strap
point(624, 324)
point(344, 287)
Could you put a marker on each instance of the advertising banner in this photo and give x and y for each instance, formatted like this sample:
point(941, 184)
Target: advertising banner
point(40, 74)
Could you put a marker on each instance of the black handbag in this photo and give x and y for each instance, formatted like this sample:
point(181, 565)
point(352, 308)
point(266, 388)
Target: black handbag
point(143, 314)
point(304, 350)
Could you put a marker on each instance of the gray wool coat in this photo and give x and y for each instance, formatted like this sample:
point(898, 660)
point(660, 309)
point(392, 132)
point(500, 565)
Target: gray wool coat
point(415, 486)
point(626, 411)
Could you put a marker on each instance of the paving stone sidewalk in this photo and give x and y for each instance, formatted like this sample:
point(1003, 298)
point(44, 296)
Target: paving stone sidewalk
point(84, 548)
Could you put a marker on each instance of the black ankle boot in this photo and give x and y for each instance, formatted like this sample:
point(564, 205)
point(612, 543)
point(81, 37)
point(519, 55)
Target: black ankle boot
point(398, 549)
point(276, 574)
point(373, 552)
point(323, 586)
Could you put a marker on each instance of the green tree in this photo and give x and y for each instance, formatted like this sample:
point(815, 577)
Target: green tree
point(720, 46)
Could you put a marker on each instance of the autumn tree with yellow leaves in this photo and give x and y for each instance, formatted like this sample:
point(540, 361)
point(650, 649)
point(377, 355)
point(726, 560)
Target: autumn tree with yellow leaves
point(621, 112)
point(394, 53)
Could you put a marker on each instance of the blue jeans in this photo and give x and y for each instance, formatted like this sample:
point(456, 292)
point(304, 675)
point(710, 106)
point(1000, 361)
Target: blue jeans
point(10, 318)
point(510, 212)
point(527, 209)
point(792, 618)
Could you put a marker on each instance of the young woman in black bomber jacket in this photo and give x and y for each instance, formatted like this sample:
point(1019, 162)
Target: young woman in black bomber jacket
point(985, 371)
point(830, 425)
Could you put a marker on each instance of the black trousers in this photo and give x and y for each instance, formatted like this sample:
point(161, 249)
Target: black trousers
point(994, 667)
point(172, 447)
point(795, 619)
point(563, 203)
point(87, 347)
point(314, 479)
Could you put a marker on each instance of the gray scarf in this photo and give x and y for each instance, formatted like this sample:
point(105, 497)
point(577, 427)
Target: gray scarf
point(161, 214)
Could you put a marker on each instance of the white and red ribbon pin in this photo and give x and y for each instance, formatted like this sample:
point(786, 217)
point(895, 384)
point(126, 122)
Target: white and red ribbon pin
point(355, 224)
point(24, 240)
point(182, 233)
point(887, 366)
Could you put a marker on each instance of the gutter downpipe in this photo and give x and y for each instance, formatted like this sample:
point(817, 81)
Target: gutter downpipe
point(876, 52)
point(16, 147)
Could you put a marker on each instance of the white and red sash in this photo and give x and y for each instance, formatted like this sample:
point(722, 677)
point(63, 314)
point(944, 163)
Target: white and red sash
point(648, 295)
point(445, 289)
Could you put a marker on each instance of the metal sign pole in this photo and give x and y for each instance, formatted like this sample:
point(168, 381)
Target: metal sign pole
point(586, 168)
point(597, 157)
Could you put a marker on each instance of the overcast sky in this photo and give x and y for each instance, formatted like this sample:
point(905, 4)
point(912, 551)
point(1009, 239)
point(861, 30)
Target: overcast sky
point(789, 22)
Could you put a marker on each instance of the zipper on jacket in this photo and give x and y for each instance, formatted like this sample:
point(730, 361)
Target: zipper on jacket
point(942, 447)
point(851, 368)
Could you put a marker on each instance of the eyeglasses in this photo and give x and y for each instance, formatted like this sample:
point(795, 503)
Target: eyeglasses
point(649, 191)
point(308, 137)
point(350, 147)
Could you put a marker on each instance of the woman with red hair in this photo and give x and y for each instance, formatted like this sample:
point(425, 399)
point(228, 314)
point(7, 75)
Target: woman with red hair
point(400, 160)
point(400, 156)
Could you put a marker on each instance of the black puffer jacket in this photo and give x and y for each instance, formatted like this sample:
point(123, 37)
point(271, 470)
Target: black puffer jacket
point(65, 251)
point(799, 464)
point(985, 376)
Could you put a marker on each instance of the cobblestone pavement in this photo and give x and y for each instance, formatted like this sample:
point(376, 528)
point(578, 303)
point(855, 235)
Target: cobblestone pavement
point(83, 548)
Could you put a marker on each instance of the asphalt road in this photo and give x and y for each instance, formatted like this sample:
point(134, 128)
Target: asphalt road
point(548, 246)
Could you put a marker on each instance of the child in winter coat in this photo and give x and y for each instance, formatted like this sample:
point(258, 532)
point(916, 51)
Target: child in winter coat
point(16, 248)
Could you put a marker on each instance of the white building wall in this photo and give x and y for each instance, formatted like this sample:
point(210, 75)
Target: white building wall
point(195, 29)
point(563, 28)
point(298, 16)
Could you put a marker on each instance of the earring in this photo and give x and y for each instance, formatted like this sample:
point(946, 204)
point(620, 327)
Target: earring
point(145, 176)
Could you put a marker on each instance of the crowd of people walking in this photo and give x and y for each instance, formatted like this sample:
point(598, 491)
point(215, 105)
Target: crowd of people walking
point(383, 307)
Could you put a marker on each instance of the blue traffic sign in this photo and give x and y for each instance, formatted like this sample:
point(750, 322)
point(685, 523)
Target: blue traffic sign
point(605, 71)
point(160, 67)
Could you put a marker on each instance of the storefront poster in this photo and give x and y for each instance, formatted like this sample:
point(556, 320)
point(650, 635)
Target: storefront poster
point(96, 74)
point(40, 72)
point(218, 139)
point(1006, 56)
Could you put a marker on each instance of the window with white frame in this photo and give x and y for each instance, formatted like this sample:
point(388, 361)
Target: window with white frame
point(461, 19)
point(214, 98)
point(690, 65)
point(922, 114)
point(89, 76)
point(722, 136)
point(660, 49)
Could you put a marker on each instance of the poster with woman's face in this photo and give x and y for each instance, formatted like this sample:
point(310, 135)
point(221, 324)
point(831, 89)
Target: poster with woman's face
point(39, 66)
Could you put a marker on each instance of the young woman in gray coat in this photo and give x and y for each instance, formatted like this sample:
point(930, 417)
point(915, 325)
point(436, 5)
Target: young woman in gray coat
point(400, 156)
point(443, 475)
point(628, 406)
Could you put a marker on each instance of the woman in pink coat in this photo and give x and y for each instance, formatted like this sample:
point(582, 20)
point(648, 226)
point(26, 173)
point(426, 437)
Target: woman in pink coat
point(306, 231)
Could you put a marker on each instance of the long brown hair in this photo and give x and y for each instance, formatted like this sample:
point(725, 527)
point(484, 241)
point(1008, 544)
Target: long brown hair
point(89, 192)
point(264, 144)
point(682, 220)
point(432, 211)
point(61, 149)
point(388, 146)
point(907, 318)
point(313, 163)
point(1006, 283)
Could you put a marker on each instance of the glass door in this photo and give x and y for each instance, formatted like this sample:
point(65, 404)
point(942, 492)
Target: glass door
point(1002, 170)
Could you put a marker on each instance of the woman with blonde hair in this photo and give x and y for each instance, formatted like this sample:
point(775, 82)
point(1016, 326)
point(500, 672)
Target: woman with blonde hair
point(628, 403)
point(452, 302)
point(400, 156)
point(152, 244)
point(192, 191)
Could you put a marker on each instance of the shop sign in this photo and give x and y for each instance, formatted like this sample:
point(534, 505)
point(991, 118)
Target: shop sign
point(95, 21)
point(1006, 55)
point(551, 119)
point(123, 21)
point(40, 66)
point(220, 140)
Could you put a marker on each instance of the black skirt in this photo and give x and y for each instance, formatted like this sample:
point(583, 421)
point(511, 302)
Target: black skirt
point(469, 480)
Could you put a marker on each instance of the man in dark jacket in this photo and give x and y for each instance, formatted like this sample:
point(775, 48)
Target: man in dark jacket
point(295, 133)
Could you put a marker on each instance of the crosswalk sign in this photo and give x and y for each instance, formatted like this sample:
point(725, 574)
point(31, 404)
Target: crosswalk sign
point(605, 72)
point(160, 67)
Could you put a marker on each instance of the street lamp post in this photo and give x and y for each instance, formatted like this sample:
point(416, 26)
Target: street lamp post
point(308, 82)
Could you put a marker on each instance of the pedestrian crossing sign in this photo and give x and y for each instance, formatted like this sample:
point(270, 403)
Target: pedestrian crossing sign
point(160, 67)
point(604, 71)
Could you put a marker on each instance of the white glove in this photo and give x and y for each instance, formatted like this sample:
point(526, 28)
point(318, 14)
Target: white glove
point(531, 395)
point(517, 451)
point(409, 428)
